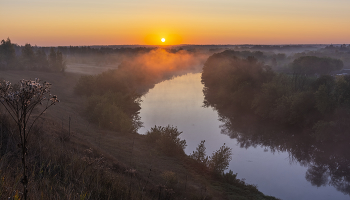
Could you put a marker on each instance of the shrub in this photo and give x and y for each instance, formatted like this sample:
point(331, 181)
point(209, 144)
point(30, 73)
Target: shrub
point(230, 177)
point(220, 159)
point(112, 102)
point(114, 111)
point(167, 139)
point(199, 155)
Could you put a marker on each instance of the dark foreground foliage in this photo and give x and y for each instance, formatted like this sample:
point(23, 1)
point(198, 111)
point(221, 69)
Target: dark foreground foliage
point(61, 168)
point(56, 170)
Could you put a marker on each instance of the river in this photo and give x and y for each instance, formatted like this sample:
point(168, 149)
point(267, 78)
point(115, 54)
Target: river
point(179, 102)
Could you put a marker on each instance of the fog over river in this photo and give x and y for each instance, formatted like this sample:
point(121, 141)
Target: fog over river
point(179, 102)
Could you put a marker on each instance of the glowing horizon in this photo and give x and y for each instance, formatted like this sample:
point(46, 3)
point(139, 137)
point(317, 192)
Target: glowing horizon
point(136, 22)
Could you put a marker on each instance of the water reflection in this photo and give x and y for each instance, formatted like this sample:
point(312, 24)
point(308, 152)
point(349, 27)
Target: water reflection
point(327, 162)
point(179, 102)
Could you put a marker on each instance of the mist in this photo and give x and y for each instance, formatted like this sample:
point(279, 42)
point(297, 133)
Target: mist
point(159, 61)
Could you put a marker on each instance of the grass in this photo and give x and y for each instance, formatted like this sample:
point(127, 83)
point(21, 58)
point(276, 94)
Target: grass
point(90, 163)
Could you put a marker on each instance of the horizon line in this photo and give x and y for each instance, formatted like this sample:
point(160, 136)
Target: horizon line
point(191, 45)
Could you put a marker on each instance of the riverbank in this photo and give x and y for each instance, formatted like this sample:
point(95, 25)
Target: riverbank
point(129, 158)
point(139, 168)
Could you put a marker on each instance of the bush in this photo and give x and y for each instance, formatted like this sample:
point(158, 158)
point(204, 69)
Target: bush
point(230, 177)
point(114, 111)
point(167, 139)
point(220, 159)
point(199, 155)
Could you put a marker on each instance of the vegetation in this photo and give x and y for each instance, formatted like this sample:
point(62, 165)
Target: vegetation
point(220, 159)
point(167, 140)
point(19, 102)
point(340, 52)
point(62, 167)
point(114, 111)
point(305, 113)
point(311, 65)
point(200, 155)
point(59, 169)
point(7, 54)
point(31, 58)
point(232, 82)
point(247, 87)
point(113, 97)
point(217, 163)
point(75, 170)
point(111, 100)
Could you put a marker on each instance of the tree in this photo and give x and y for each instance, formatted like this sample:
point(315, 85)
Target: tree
point(270, 92)
point(307, 66)
point(325, 101)
point(220, 159)
point(61, 64)
point(7, 53)
point(52, 58)
point(231, 82)
point(20, 101)
point(28, 56)
point(56, 60)
point(199, 155)
point(41, 60)
point(311, 65)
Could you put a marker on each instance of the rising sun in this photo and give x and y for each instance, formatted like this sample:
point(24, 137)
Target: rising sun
point(163, 39)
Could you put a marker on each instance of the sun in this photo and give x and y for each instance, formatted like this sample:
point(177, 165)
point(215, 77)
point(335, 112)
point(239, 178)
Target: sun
point(163, 39)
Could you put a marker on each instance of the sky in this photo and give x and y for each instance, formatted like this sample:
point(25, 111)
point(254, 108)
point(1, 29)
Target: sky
point(145, 22)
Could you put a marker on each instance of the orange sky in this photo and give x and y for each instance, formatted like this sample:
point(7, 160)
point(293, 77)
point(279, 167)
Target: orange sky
point(107, 22)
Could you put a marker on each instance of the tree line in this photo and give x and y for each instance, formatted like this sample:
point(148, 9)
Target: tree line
point(309, 97)
point(305, 112)
point(30, 58)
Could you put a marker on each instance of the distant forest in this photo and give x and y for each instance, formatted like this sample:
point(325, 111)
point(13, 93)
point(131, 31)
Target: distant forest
point(311, 95)
point(13, 56)
point(304, 110)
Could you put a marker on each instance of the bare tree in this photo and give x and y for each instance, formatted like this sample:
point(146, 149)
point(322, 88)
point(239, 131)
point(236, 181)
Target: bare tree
point(20, 101)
